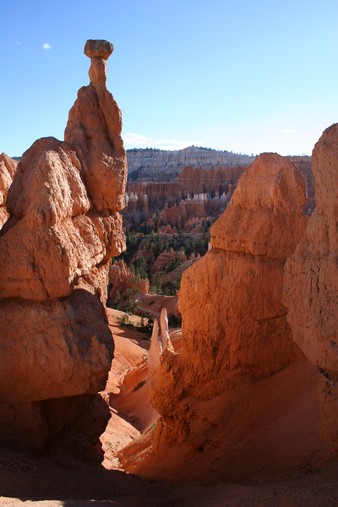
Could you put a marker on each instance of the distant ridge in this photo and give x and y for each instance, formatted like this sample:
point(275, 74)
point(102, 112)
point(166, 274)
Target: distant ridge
point(164, 165)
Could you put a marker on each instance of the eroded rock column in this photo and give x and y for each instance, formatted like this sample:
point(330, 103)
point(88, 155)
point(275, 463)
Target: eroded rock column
point(63, 229)
point(234, 323)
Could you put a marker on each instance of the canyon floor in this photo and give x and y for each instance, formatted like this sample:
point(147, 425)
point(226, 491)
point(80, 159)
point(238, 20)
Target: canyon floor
point(59, 479)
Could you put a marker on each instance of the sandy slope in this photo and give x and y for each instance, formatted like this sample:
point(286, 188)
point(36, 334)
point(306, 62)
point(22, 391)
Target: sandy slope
point(61, 480)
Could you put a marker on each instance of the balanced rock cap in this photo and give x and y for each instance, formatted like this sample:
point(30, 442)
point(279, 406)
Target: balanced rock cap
point(98, 49)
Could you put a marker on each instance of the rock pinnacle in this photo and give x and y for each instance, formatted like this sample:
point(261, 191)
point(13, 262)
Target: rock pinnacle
point(98, 51)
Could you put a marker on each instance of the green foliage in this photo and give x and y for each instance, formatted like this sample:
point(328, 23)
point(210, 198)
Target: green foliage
point(124, 321)
point(126, 302)
point(145, 325)
point(171, 288)
point(156, 284)
point(139, 266)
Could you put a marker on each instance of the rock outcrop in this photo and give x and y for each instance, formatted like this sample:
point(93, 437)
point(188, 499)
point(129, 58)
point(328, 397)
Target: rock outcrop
point(64, 226)
point(234, 329)
point(231, 300)
point(94, 130)
point(122, 280)
point(311, 282)
point(199, 193)
point(168, 260)
point(7, 170)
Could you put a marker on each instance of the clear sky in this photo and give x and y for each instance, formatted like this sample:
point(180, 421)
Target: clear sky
point(241, 75)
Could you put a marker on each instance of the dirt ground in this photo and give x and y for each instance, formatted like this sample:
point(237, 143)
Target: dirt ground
point(59, 479)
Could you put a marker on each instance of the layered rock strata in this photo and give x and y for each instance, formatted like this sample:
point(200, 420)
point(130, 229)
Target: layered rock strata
point(311, 282)
point(162, 165)
point(64, 227)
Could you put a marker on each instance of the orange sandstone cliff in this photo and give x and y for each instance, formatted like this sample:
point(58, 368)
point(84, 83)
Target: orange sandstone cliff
point(63, 228)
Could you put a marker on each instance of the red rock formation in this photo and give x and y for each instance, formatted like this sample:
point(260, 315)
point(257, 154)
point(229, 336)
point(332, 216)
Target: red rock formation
point(166, 258)
point(197, 193)
point(122, 279)
point(94, 130)
point(311, 282)
point(63, 229)
point(156, 204)
point(7, 170)
point(199, 180)
point(242, 328)
point(234, 327)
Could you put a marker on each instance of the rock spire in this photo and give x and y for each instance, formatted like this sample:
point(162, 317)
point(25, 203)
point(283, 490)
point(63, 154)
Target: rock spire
point(64, 227)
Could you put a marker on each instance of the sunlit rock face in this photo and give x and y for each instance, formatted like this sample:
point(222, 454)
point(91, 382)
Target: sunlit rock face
point(234, 322)
point(311, 282)
point(63, 228)
point(231, 300)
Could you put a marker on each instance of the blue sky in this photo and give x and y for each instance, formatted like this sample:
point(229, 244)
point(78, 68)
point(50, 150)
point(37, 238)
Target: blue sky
point(240, 75)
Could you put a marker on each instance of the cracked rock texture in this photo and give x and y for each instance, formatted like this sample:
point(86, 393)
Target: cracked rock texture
point(311, 282)
point(63, 227)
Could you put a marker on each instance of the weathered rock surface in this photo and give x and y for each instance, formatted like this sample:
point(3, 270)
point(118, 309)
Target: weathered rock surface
point(167, 259)
point(160, 341)
point(7, 170)
point(197, 193)
point(55, 346)
point(94, 130)
point(231, 300)
point(271, 192)
point(98, 49)
point(234, 323)
point(122, 280)
point(311, 282)
point(48, 196)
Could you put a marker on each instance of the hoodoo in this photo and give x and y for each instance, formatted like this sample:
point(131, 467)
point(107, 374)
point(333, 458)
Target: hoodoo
point(63, 228)
point(224, 397)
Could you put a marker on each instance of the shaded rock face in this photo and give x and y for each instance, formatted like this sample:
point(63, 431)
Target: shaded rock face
point(311, 282)
point(234, 322)
point(56, 347)
point(7, 171)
